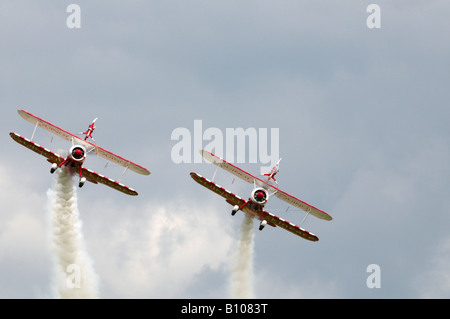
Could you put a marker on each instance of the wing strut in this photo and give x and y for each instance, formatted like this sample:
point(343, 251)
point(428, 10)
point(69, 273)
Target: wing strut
point(123, 174)
point(276, 191)
point(90, 150)
point(306, 216)
point(214, 174)
point(34, 131)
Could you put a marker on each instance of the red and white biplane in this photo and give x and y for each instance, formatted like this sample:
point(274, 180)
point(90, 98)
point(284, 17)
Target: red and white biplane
point(259, 196)
point(77, 154)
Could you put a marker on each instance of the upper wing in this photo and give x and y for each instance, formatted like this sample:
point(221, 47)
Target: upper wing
point(300, 204)
point(216, 160)
point(97, 178)
point(33, 119)
point(271, 219)
point(276, 191)
point(118, 159)
point(52, 157)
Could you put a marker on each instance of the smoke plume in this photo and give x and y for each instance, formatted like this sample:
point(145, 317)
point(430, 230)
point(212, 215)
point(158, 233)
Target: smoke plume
point(75, 276)
point(242, 270)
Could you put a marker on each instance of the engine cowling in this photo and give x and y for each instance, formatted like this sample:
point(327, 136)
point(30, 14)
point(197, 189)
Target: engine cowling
point(259, 196)
point(77, 153)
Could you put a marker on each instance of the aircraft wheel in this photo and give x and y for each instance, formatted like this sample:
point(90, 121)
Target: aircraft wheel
point(82, 181)
point(263, 224)
point(53, 169)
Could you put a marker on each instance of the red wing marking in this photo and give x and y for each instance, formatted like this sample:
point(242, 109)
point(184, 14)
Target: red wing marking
point(272, 219)
point(98, 178)
point(52, 157)
point(33, 119)
point(231, 198)
point(272, 189)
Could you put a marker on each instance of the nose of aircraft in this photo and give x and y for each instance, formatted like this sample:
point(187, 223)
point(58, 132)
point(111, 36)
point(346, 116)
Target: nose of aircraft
point(78, 153)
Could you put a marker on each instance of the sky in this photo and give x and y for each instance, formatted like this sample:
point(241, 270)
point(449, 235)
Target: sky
point(362, 115)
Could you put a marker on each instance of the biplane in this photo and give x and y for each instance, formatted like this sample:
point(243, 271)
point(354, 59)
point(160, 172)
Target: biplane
point(73, 162)
point(262, 190)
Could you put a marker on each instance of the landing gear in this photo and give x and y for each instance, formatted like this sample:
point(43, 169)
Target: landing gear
point(82, 181)
point(263, 224)
point(56, 166)
point(235, 209)
point(53, 169)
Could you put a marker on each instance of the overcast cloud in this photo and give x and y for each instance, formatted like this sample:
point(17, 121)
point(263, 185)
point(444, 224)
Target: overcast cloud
point(364, 131)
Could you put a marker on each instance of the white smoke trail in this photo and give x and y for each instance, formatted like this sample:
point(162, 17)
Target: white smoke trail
point(242, 269)
point(75, 276)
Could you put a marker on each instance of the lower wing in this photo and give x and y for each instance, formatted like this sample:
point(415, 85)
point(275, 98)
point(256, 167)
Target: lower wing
point(231, 198)
point(98, 178)
point(52, 157)
point(275, 220)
